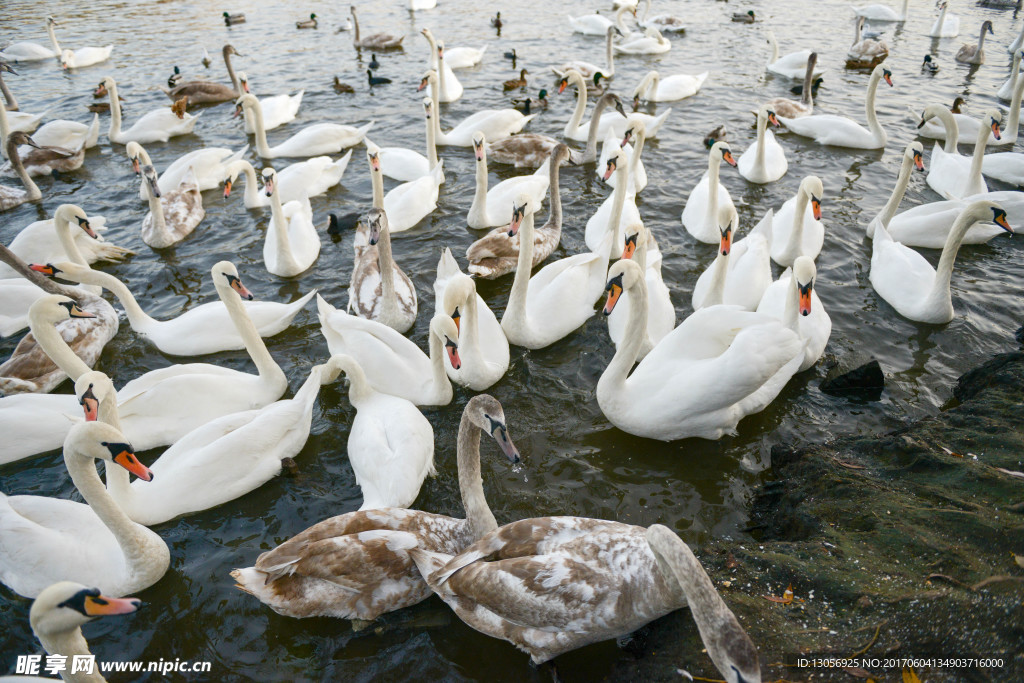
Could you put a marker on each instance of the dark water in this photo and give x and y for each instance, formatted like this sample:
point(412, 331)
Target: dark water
point(575, 462)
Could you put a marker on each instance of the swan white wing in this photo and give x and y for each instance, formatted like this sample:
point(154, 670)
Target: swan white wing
point(26, 52)
point(158, 125)
point(561, 296)
point(927, 225)
point(409, 203)
point(35, 423)
point(320, 138)
point(1005, 166)
point(463, 57)
point(495, 124)
point(599, 224)
point(950, 175)
point(899, 274)
point(829, 129)
point(696, 218)
point(391, 448)
point(679, 86)
point(750, 272)
point(209, 165)
point(403, 165)
point(312, 177)
point(279, 109)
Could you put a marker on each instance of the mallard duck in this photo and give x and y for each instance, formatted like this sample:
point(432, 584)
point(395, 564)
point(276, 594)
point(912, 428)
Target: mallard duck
point(747, 18)
point(717, 135)
point(179, 107)
point(376, 80)
point(340, 87)
point(929, 65)
point(514, 83)
point(232, 19)
point(527, 103)
point(175, 78)
point(308, 23)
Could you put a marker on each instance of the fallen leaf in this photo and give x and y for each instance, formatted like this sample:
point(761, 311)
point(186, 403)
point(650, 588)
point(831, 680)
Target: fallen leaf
point(1019, 559)
point(909, 676)
point(954, 454)
point(786, 598)
point(730, 562)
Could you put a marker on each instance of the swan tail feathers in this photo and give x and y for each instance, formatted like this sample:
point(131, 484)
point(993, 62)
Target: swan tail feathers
point(363, 130)
point(431, 566)
point(447, 266)
point(93, 134)
point(764, 226)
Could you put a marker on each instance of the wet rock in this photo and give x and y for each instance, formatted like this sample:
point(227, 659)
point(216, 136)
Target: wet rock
point(988, 375)
point(855, 378)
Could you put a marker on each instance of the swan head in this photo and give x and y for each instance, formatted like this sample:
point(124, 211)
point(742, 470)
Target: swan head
point(915, 152)
point(246, 101)
point(987, 26)
point(269, 181)
point(47, 269)
point(992, 119)
point(613, 164)
point(243, 80)
point(428, 108)
point(149, 177)
point(378, 221)
point(984, 210)
point(520, 206)
point(69, 213)
point(728, 645)
point(728, 219)
point(225, 272)
point(456, 294)
point(486, 413)
point(16, 139)
point(92, 389)
point(635, 129)
point(51, 21)
point(100, 441)
point(67, 59)
point(66, 606)
point(429, 78)
point(720, 151)
point(881, 72)
point(804, 273)
point(812, 187)
point(623, 274)
point(478, 145)
point(636, 234)
point(445, 329)
point(440, 50)
point(134, 152)
point(54, 308)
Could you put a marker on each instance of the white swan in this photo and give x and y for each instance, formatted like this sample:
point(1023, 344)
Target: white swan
point(588, 69)
point(309, 178)
point(719, 365)
point(483, 348)
point(496, 254)
point(379, 290)
point(409, 203)
point(617, 212)
point(210, 165)
point(651, 42)
point(597, 25)
point(965, 132)
point(15, 121)
point(557, 300)
point(45, 540)
point(1005, 91)
point(158, 125)
point(404, 165)
point(575, 129)
point(741, 272)
point(10, 196)
point(882, 12)
point(661, 314)
point(451, 89)
point(357, 565)
point(493, 206)
point(215, 463)
point(390, 443)
point(494, 123)
point(928, 225)
point(946, 25)
point(70, 135)
point(663, 22)
point(793, 299)
point(57, 617)
point(700, 215)
point(33, 52)
point(207, 328)
point(912, 157)
point(378, 41)
point(636, 132)
point(840, 131)
point(84, 56)
point(765, 162)
point(654, 88)
point(393, 364)
point(908, 282)
point(797, 228)
point(172, 215)
point(463, 57)
point(313, 140)
point(955, 176)
point(292, 243)
point(277, 110)
point(792, 65)
point(1005, 166)
point(43, 241)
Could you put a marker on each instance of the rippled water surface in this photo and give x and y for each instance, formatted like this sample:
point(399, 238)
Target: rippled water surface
point(575, 462)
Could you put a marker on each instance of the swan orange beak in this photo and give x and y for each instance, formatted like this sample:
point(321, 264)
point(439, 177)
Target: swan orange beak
point(614, 290)
point(241, 289)
point(728, 158)
point(995, 130)
point(457, 319)
point(423, 84)
point(609, 170)
point(918, 161)
point(124, 455)
point(47, 269)
point(102, 606)
point(816, 208)
point(1000, 220)
point(627, 138)
point(630, 247)
point(562, 85)
point(74, 311)
point(726, 242)
point(90, 404)
point(245, 86)
point(375, 163)
point(888, 78)
point(805, 298)
point(772, 119)
point(83, 223)
point(453, 353)
point(135, 165)
point(227, 188)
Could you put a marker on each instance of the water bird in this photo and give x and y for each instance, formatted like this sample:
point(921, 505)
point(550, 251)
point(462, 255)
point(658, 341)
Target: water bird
point(974, 54)
point(717, 135)
point(340, 87)
point(747, 18)
point(376, 80)
point(496, 21)
point(174, 78)
point(527, 103)
point(514, 83)
point(307, 23)
point(379, 41)
point(929, 65)
point(374, 64)
point(232, 19)
point(799, 89)
point(511, 54)
point(206, 59)
point(339, 225)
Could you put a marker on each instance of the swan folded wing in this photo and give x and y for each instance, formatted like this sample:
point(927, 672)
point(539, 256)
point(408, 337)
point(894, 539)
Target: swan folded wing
point(897, 270)
point(170, 379)
point(389, 359)
point(564, 292)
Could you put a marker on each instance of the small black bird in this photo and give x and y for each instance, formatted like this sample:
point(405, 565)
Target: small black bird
point(496, 21)
point(374, 64)
point(511, 54)
point(340, 225)
point(799, 89)
point(376, 80)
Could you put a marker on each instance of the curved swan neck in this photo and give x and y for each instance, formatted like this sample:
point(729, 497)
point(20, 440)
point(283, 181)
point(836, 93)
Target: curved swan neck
point(636, 330)
point(62, 226)
point(118, 479)
point(57, 349)
point(279, 225)
point(618, 201)
point(590, 153)
point(869, 108)
point(1013, 122)
point(716, 291)
point(806, 99)
point(70, 644)
point(774, 44)
point(520, 285)
point(21, 268)
point(554, 221)
point(31, 189)
point(470, 337)
point(12, 103)
point(974, 177)
point(137, 317)
point(156, 209)
point(5, 129)
point(389, 300)
point(581, 106)
point(944, 271)
point(252, 187)
point(889, 210)
point(796, 235)
point(53, 39)
point(259, 131)
point(439, 378)
point(948, 121)
point(231, 71)
point(359, 389)
point(254, 345)
point(981, 39)
point(471, 485)
point(638, 148)
point(115, 112)
point(355, 28)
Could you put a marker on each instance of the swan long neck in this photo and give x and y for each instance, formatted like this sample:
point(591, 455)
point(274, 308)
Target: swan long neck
point(716, 291)
point(889, 210)
point(981, 39)
point(21, 268)
point(63, 228)
point(12, 103)
point(620, 17)
point(359, 389)
point(471, 484)
point(377, 183)
point(386, 263)
point(441, 76)
point(869, 109)
point(790, 312)
point(774, 44)
point(942, 15)
point(115, 112)
point(355, 27)
point(806, 99)
point(714, 162)
point(252, 187)
point(434, 97)
point(944, 271)
point(259, 131)
point(590, 153)
point(70, 644)
point(554, 221)
point(1019, 40)
point(53, 39)
point(796, 235)
point(431, 140)
point(439, 377)
point(118, 479)
point(470, 336)
point(979, 154)
point(581, 107)
point(636, 331)
point(638, 148)
point(1013, 127)
point(480, 192)
point(57, 349)
point(137, 317)
point(521, 284)
point(762, 123)
point(618, 201)
point(231, 70)
point(5, 129)
point(31, 189)
point(609, 54)
point(129, 535)
point(279, 225)
point(156, 208)
point(948, 121)
point(254, 345)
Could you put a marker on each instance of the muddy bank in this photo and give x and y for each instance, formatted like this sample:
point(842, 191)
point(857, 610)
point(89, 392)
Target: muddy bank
point(896, 546)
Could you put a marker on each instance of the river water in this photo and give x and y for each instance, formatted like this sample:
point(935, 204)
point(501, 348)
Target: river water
point(574, 461)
